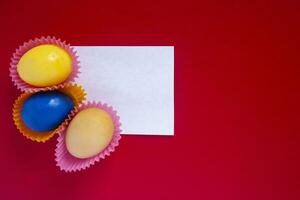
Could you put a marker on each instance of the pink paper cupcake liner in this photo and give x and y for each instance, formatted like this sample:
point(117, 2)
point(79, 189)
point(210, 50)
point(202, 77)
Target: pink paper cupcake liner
point(23, 86)
point(68, 163)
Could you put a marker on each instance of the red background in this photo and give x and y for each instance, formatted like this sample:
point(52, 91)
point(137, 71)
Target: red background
point(236, 101)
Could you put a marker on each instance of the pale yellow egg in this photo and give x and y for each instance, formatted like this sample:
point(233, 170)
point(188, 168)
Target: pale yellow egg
point(45, 65)
point(89, 133)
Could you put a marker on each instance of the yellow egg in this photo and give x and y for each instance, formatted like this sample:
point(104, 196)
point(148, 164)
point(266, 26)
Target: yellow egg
point(89, 133)
point(45, 65)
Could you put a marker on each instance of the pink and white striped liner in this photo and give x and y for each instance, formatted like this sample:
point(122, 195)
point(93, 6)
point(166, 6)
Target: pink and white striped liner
point(23, 86)
point(65, 161)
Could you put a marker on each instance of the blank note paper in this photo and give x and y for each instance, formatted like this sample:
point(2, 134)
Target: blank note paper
point(138, 81)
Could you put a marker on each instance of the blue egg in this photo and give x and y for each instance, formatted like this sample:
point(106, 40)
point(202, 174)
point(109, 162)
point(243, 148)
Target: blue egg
point(45, 111)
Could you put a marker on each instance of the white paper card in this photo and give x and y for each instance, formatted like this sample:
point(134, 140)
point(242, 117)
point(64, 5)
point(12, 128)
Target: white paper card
point(138, 81)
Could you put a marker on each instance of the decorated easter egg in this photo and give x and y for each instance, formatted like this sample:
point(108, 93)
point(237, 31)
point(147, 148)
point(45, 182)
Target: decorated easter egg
point(89, 133)
point(45, 65)
point(45, 111)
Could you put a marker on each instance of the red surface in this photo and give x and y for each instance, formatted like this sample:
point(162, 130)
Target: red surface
point(237, 101)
